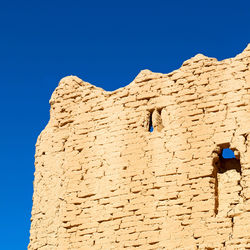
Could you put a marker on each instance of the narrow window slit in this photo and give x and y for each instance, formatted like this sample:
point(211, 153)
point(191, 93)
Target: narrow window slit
point(154, 120)
point(151, 128)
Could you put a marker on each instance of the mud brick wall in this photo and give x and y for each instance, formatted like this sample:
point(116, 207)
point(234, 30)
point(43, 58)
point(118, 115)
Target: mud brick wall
point(105, 180)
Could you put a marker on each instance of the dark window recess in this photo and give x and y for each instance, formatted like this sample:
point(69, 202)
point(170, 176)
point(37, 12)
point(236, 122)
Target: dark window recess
point(227, 161)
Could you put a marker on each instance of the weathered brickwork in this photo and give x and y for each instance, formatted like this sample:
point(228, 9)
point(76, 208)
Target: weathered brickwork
point(103, 180)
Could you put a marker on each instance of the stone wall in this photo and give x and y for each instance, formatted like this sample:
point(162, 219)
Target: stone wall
point(103, 180)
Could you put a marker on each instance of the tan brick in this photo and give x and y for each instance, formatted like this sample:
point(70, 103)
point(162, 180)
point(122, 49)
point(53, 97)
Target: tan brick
point(104, 181)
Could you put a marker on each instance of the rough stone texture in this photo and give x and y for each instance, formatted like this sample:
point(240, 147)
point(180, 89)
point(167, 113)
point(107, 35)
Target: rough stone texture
point(103, 181)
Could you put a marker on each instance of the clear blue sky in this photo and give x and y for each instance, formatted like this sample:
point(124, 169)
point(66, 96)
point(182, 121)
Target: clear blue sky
point(103, 42)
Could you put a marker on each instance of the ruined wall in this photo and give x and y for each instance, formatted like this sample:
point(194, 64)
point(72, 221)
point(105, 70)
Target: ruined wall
point(104, 181)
